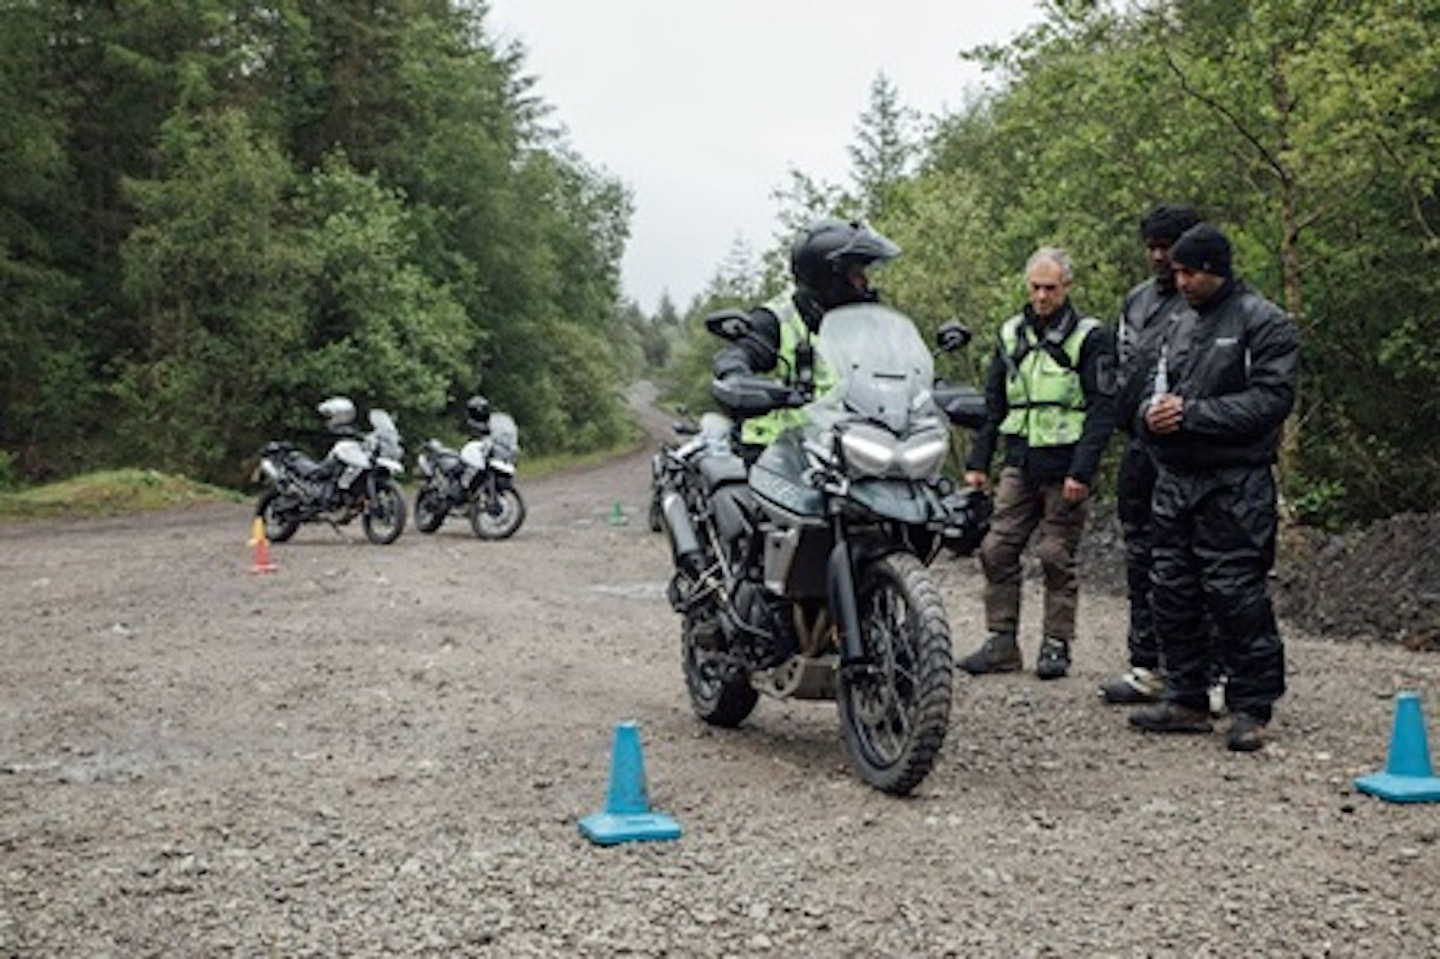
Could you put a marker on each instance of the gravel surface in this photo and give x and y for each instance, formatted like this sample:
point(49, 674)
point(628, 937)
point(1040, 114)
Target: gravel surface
point(385, 751)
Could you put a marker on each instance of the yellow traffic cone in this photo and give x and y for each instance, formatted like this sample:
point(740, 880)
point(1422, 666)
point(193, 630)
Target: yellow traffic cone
point(263, 564)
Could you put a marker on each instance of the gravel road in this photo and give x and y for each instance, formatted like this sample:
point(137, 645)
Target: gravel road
point(385, 751)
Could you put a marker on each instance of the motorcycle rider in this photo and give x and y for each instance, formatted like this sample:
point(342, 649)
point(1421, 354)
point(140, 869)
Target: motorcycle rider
point(829, 264)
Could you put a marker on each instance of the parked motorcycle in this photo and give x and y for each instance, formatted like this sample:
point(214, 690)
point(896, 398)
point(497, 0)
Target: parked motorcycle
point(668, 464)
point(356, 478)
point(806, 576)
point(478, 478)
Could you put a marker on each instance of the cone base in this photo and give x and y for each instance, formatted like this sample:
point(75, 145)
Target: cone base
point(264, 568)
point(607, 829)
point(1400, 788)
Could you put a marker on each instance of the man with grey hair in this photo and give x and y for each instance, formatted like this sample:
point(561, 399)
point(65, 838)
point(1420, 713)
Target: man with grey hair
point(1050, 392)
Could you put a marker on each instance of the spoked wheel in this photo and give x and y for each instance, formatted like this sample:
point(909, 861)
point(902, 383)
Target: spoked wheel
point(896, 711)
point(719, 694)
point(497, 516)
point(279, 524)
point(384, 520)
point(429, 510)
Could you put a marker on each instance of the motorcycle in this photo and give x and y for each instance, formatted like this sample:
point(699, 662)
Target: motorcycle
point(668, 465)
point(478, 478)
point(805, 576)
point(356, 478)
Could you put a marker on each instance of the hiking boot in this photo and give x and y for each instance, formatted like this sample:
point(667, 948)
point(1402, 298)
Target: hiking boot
point(1054, 659)
point(999, 654)
point(1171, 718)
point(1134, 686)
point(1247, 734)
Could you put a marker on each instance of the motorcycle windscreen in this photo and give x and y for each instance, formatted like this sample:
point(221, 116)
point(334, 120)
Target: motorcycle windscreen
point(875, 367)
point(387, 435)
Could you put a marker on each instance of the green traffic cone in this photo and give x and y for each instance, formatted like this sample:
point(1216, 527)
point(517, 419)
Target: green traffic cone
point(617, 516)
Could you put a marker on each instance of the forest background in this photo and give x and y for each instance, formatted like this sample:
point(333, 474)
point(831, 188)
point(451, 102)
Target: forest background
point(216, 213)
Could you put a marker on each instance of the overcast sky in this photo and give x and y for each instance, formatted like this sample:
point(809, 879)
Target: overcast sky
point(701, 109)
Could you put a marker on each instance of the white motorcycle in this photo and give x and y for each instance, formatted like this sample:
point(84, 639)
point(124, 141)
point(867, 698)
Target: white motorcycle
point(478, 478)
point(356, 478)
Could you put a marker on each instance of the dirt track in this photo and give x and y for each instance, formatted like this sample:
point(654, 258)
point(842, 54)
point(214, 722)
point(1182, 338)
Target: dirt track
point(385, 751)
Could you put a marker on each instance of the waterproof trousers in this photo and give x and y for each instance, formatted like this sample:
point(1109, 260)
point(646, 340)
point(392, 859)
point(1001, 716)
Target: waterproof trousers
point(1214, 546)
point(1135, 485)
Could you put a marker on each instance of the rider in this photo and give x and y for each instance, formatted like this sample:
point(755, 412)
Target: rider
point(829, 263)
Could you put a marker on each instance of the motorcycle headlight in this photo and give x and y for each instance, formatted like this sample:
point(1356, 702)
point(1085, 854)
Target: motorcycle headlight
point(922, 456)
point(870, 451)
point(268, 469)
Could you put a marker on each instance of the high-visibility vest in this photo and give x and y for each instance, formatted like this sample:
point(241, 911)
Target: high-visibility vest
point(1043, 393)
point(764, 430)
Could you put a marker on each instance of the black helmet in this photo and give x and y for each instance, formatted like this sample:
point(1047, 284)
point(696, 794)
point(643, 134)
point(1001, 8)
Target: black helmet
point(828, 253)
point(477, 411)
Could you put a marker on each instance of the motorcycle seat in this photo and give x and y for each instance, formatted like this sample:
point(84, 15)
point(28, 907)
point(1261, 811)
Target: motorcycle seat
point(303, 464)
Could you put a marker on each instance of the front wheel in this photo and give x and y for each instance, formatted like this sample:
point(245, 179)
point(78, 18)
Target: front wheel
point(720, 692)
point(429, 510)
point(280, 524)
point(384, 519)
point(497, 515)
point(895, 711)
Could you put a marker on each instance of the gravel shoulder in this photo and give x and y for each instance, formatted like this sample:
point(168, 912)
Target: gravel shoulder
point(386, 750)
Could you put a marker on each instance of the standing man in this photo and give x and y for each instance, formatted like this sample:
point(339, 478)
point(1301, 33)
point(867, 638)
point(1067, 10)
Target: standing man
point(1050, 391)
point(1145, 314)
point(1225, 381)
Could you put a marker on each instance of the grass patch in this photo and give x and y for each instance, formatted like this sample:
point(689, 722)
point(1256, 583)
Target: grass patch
point(111, 493)
point(118, 492)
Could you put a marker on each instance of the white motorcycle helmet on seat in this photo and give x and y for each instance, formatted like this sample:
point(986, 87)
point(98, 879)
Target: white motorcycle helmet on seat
point(339, 412)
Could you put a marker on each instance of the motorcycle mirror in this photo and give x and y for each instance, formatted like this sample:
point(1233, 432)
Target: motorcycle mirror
point(953, 335)
point(729, 324)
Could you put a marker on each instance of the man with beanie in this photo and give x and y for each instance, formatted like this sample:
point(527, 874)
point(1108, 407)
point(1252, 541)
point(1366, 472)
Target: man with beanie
point(1050, 391)
point(1145, 314)
point(1224, 381)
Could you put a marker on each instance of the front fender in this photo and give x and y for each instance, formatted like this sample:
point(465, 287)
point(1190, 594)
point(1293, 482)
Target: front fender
point(904, 501)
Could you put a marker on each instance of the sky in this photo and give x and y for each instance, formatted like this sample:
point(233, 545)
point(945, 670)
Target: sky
point(702, 109)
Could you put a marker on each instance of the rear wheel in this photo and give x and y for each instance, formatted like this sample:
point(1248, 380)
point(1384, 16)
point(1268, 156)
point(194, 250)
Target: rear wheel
point(429, 510)
point(497, 516)
point(895, 712)
point(384, 518)
point(280, 524)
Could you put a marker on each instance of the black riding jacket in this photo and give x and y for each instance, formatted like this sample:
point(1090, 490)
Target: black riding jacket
point(1145, 316)
point(1235, 360)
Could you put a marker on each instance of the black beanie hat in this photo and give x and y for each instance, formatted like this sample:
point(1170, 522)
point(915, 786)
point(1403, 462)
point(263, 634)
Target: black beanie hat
point(1203, 248)
point(1166, 221)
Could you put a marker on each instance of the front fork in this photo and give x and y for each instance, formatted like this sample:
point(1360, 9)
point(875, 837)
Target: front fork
point(840, 587)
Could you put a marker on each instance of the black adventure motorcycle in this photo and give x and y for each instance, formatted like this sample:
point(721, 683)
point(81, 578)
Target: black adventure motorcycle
point(806, 576)
point(356, 478)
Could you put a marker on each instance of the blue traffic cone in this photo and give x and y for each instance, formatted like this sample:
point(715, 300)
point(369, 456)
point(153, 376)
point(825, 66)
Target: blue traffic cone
point(1408, 776)
point(627, 816)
